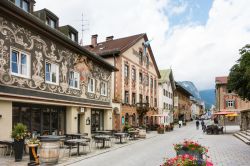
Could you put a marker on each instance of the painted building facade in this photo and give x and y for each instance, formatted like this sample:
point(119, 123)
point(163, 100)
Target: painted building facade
point(182, 104)
point(135, 86)
point(166, 96)
point(47, 81)
point(228, 100)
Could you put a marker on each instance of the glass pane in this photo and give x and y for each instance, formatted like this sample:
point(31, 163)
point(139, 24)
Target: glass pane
point(47, 76)
point(23, 59)
point(24, 69)
point(18, 3)
point(48, 67)
point(54, 121)
point(52, 24)
point(25, 6)
point(36, 121)
point(46, 121)
point(54, 77)
point(14, 64)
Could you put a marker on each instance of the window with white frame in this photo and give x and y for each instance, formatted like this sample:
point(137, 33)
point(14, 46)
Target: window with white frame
point(74, 79)
point(52, 73)
point(91, 85)
point(126, 97)
point(20, 63)
point(126, 72)
point(104, 88)
point(230, 103)
point(133, 74)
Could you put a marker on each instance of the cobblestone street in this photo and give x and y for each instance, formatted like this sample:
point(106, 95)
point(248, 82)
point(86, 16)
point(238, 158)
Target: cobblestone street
point(224, 150)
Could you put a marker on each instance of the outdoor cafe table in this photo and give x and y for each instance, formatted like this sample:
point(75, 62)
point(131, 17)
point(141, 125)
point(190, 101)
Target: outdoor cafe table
point(120, 135)
point(106, 132)
point(77, 141)
point(76, 135)
point(8, 143)
point(103, 138)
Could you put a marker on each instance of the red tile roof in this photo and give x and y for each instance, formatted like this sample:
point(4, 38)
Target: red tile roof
point(221, 80)
point(114, 46)
point(117, 46)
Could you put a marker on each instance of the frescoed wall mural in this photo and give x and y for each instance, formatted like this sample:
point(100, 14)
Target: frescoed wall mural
point(42, 50)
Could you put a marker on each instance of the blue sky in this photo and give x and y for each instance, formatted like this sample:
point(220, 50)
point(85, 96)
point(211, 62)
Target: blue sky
point(188, 11)
point(198, 39)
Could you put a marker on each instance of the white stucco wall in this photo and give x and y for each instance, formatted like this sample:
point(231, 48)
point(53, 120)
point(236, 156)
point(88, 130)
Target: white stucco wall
point(5, 120)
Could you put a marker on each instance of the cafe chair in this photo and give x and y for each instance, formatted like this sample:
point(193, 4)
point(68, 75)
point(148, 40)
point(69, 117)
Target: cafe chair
point(87, 143)
point(68, 146)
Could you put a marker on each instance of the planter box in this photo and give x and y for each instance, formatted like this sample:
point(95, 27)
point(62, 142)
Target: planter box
point(193, 153)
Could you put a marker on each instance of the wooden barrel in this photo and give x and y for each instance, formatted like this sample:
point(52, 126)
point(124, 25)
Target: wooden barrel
point(49, 152)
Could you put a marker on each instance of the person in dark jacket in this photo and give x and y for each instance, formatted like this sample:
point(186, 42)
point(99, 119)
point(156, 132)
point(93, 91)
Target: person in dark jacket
point(197, 124)
point(203, 125)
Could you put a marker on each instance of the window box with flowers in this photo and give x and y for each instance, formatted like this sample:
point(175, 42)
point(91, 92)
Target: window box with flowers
point(189, 153)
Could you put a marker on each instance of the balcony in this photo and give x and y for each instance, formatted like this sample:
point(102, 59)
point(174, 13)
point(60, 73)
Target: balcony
point(142, 107)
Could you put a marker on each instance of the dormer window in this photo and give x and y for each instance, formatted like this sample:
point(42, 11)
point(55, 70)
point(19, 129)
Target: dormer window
point(24, 4)
point(73, 36)
point(50, 22)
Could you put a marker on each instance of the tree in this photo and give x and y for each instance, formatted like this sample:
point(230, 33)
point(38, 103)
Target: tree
point(239, 76)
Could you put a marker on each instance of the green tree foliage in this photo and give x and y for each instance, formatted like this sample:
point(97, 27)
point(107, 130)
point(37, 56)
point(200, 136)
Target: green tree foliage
point(239, 76)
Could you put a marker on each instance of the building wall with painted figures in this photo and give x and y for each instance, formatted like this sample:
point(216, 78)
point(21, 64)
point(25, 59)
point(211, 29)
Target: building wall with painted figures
point(182, 105)
point(46, 77)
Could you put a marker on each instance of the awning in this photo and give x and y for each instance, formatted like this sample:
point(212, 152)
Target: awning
point(232, 115)
point(224, 113)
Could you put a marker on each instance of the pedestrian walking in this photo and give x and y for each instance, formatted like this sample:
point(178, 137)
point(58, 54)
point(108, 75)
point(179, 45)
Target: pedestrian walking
point(197, 124)
point(203, 127)
point(180, 123)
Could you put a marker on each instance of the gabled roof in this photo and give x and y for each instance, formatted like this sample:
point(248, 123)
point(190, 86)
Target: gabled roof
point(167, 76)
point(114, 46)
point(118, 46)
point(221, 80)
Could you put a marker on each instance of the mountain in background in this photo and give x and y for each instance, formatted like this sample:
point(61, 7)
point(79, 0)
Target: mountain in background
point(189, 86)
point(208, 96)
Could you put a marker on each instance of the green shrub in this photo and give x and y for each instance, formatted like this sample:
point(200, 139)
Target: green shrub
point(19, 131)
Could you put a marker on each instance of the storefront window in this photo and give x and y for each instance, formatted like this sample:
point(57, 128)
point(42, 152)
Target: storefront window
point(97, 120)
point(40, 119)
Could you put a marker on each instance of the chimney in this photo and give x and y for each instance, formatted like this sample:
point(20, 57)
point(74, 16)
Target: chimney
point(109, 38)
point(94, 40)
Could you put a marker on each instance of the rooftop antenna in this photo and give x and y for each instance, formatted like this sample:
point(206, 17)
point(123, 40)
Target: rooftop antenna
point(83, 29)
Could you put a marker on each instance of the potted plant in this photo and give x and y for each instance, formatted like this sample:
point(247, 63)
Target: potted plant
point(186, 160)
point(19, 133)
point(192, 148)
point(160, 129)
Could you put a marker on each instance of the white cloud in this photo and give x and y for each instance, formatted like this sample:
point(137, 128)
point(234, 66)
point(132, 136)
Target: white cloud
point(196, 53)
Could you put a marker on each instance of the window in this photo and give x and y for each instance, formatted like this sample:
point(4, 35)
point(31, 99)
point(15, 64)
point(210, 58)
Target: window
point(133, 98)
point(20, 63)
point(133, 73)
point(155, 102)
point(140, 78)
point(151, 83)
point(126, 71)
point(91, 85)
point(140, 57)
point(22, 4)
point(74, 79)
point(126, 97)
point(140, 98)
point(104, 88)
point(146, 80)
point(230, 103)
point(147, 99)
point(73, 36)
point(155, 84)
point(51, 22)
point(164, 106)
point(147, 61)
point(166, 93)
point(52, 73)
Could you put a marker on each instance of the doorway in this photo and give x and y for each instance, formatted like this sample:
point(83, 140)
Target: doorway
point(97, 120)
